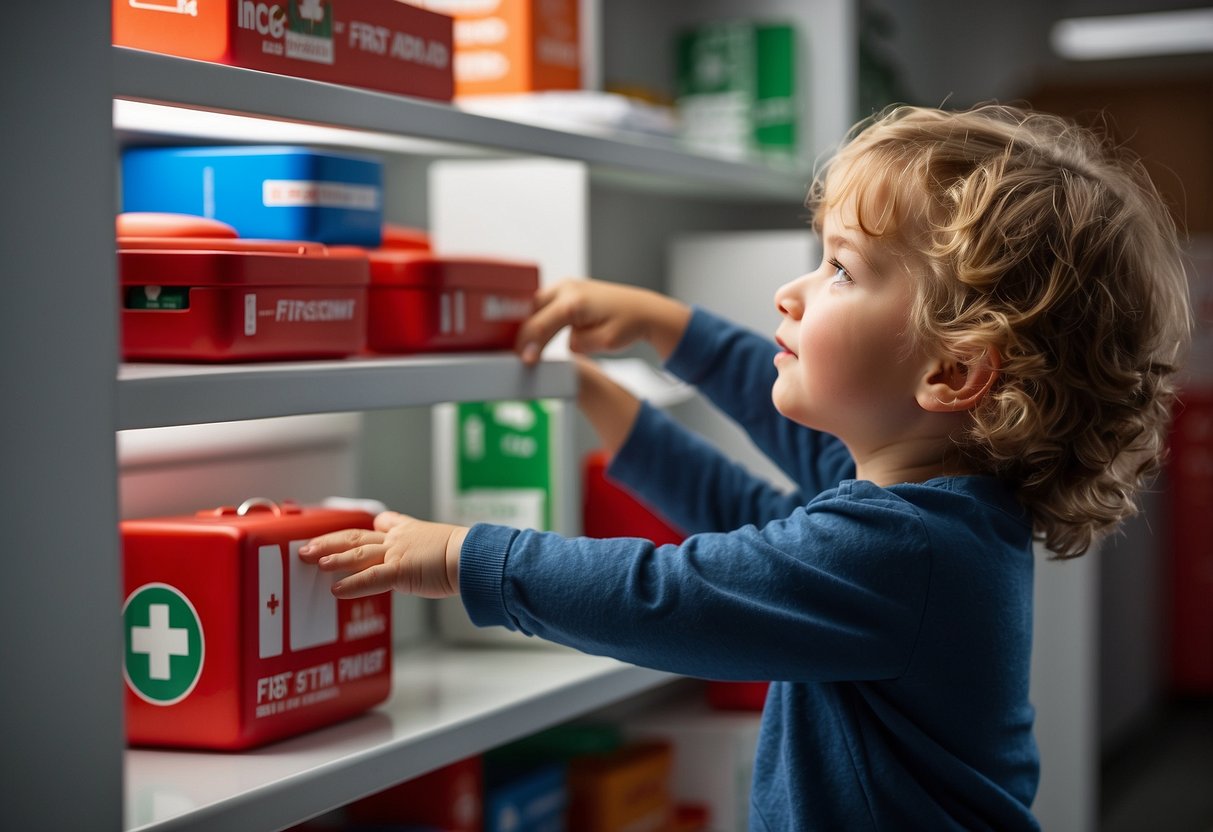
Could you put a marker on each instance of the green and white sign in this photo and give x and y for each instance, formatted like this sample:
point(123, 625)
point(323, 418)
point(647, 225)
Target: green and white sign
point(495, 463)
point(164, 644)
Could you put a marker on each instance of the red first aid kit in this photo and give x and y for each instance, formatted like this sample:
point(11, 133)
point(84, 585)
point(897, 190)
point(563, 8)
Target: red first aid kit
point(421, 302)
point(381, 44)
point(232, 641)
point(193, 291)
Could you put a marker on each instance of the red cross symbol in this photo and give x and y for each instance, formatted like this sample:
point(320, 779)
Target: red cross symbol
point(273, 603)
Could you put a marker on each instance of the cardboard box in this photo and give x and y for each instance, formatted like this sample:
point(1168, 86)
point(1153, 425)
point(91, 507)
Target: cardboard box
point(216, 299)
point(513, 46)
point(232, 641)
point(380, 44)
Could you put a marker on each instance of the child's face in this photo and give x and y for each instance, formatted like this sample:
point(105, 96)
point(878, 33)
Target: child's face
point(849, 365)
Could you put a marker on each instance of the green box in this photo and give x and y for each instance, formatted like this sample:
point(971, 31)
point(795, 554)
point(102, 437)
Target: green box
point(737, 89)
point(505, 463)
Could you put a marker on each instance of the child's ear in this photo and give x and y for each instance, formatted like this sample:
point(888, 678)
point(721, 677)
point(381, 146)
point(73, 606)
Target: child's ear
point(952, 384)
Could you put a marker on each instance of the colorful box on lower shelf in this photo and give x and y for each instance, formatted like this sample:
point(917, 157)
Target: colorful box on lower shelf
point(422, 302)
point(216, 298)
point(381, 44)
point(533, 799)
point(623, 790)
point(713, 756)
point(232, 641)
point(276, 192)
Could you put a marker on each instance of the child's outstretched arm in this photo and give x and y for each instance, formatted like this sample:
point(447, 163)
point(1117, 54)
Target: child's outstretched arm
point(402, 553)
point(609, 408)
point(602, 317)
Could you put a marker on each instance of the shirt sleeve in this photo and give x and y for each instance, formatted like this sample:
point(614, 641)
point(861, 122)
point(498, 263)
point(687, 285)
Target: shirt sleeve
point(692, 484)
point(835, 591)
point(735, 369)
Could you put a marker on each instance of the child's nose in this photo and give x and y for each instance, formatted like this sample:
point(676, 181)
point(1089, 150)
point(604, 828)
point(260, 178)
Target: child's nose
point(788, 301)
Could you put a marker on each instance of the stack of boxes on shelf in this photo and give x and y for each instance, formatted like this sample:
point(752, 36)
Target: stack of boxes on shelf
point(679, 769)
point(297, 264)
point(258, 254)
point(735, 91)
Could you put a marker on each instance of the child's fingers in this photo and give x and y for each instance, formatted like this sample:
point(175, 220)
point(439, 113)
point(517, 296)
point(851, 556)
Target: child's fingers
point(545, 294)
point(556, 307)
point(327, 544)
point(372, 581)
point(356, 559)
point(385, 521)
point(538, 329)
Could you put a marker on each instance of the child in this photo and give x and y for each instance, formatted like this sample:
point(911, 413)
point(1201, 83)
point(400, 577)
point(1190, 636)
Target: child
point(983, 358)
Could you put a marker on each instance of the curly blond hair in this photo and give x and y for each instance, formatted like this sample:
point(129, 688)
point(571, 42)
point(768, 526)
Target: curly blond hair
point(1036, 238)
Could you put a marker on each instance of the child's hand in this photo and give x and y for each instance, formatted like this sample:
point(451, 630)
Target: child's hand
point(402, 553)
point(604, 317)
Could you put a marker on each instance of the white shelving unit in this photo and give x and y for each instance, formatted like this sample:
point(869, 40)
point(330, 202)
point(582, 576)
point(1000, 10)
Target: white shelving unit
point(647, 162)
point(63, 752)
point(445, 705)
point(158, 395)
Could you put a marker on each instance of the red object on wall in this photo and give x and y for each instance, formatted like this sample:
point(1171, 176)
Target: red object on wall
point(450, 799)
point(1191, 509)
point(423, 302)
point(219, 298)
point(381, 44)
point(612, 511)
point(738, 696)
point(232, 641)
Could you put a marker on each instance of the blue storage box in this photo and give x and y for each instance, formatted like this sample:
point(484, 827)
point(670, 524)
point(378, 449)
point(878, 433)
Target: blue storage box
point(531, 801)
point(267, 192)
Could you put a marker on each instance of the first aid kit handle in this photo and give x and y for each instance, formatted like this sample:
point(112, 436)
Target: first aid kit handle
point(253, 503)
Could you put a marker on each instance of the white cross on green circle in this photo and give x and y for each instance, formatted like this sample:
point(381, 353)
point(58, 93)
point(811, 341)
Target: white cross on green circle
point(164, 644)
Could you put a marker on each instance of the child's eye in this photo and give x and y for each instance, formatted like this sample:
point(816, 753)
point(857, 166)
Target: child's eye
point(840, 272)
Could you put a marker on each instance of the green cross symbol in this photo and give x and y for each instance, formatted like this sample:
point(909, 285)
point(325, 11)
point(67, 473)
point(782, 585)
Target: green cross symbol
point(164, 644)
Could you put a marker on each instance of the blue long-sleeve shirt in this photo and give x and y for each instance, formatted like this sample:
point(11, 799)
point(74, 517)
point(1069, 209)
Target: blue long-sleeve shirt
point(894, 621)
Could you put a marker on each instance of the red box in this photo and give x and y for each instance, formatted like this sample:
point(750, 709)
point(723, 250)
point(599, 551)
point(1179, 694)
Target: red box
point(232, 641)
point(421, 302)
point(1190, 495)
point(381, 44)
point(738, 696)
point(612, 511)
point(213, 299)
point(449, 799)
